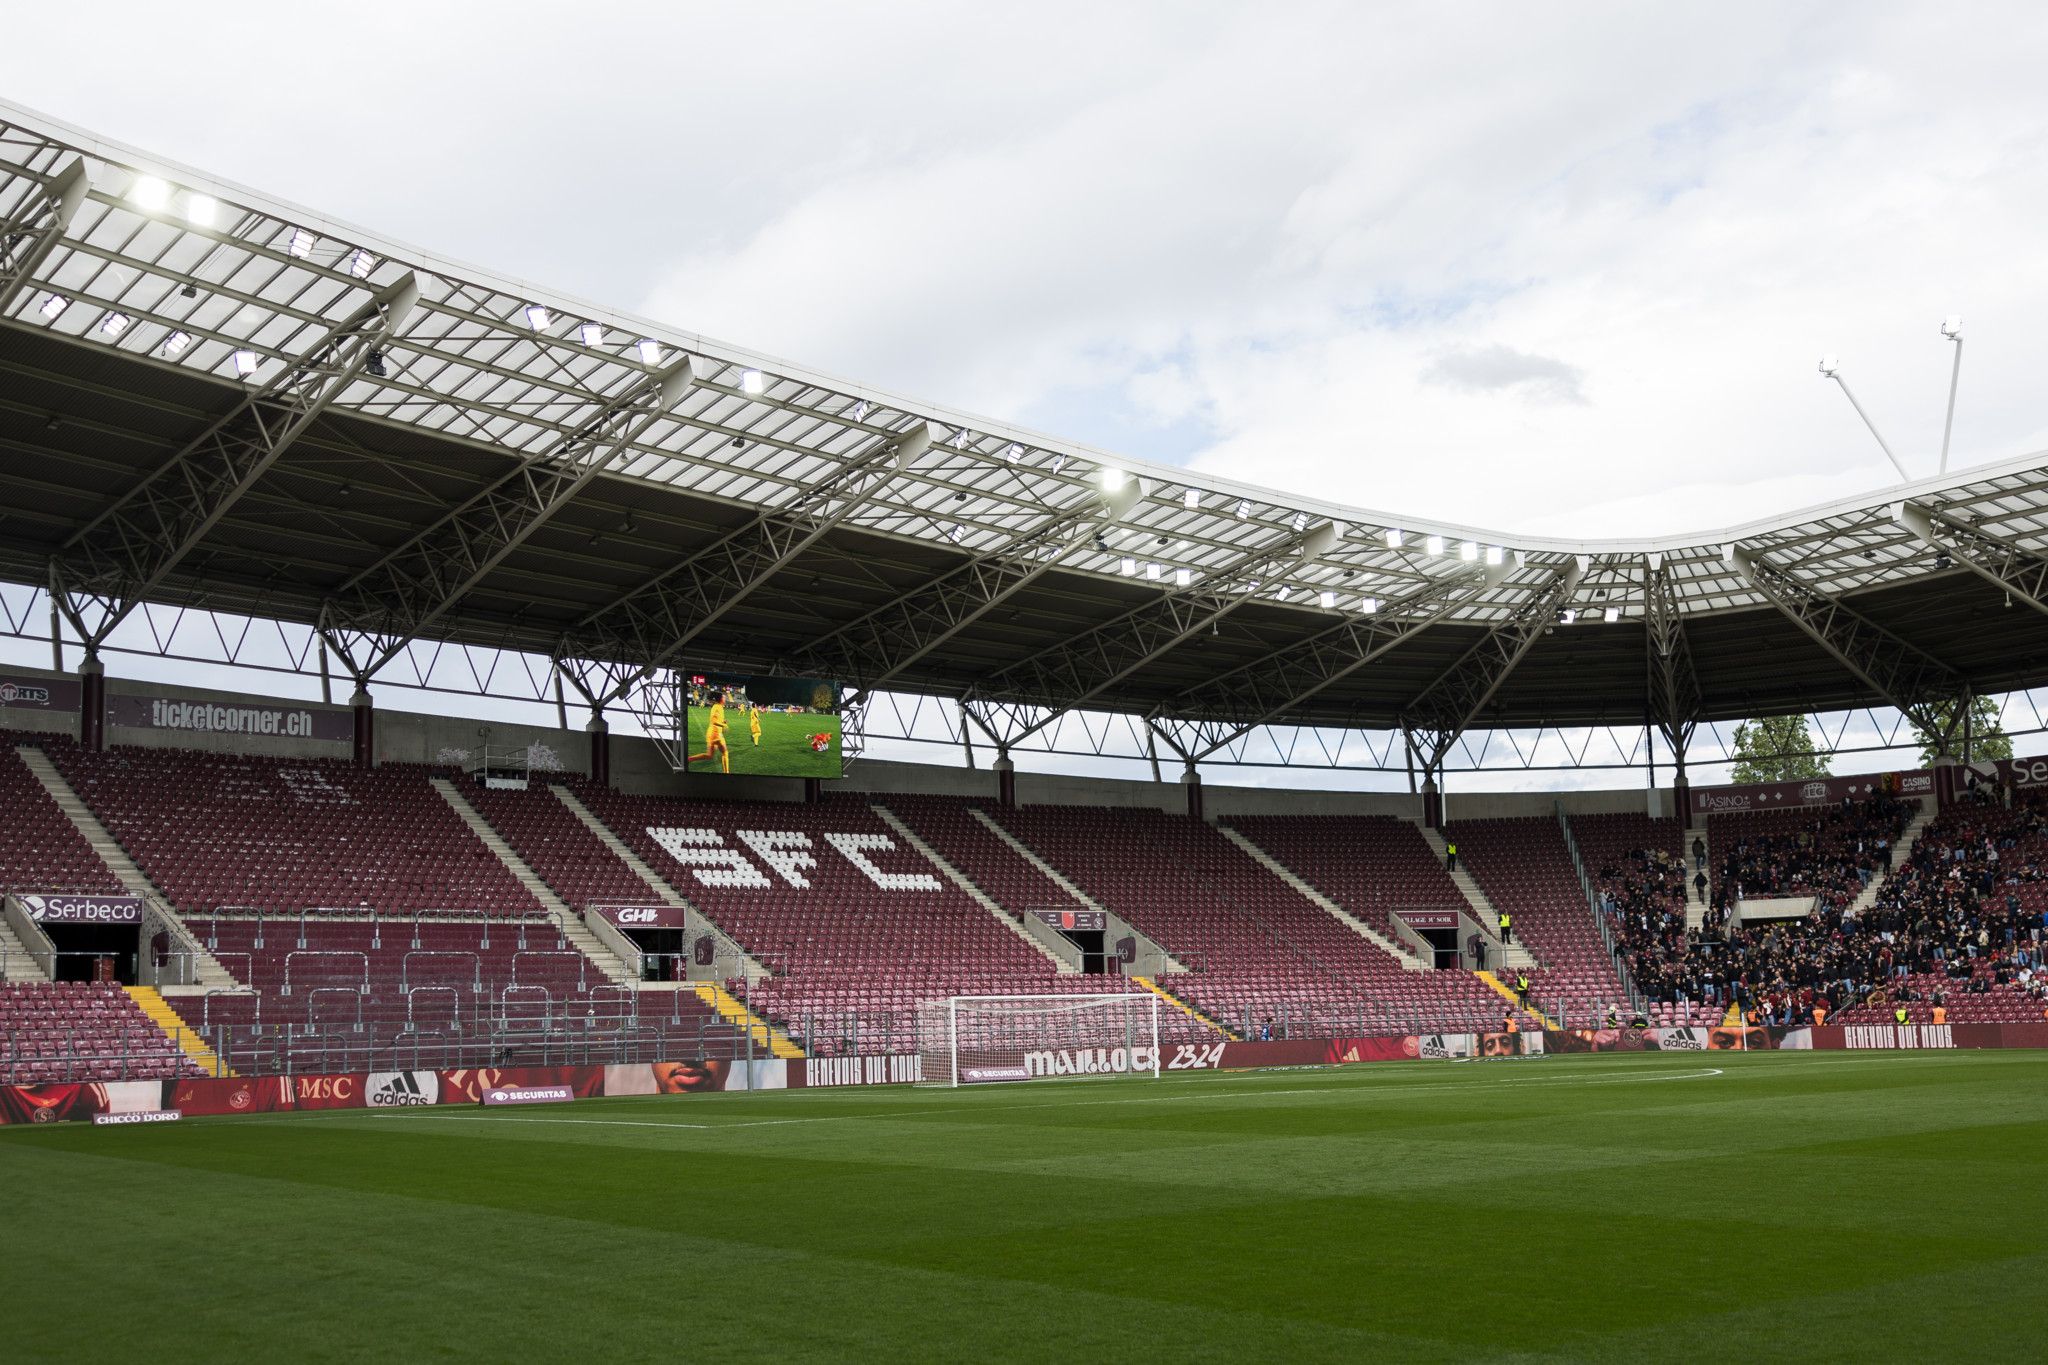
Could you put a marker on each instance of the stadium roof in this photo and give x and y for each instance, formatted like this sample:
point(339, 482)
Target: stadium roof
point(211, 398)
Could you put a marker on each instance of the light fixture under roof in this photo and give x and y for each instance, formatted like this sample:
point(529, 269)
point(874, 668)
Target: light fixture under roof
point(1112, 478)
point(1468, 551)
point(1393, 537)
point(1183, 577)
point(1244, 509)
point(202, 210)
point(1369, 605)
point(245, 363)
point(361, 263)
point(1191, 499)
point(113, 324)
point(150, 193)
point(1566, 616)
point(537, 317)
point(753, 382)
point(650, 350)
point(1435, 545)
point(1130, 567)
point(1013, 452)
point(591, 334)
point(54, 305)
point(301, 244)
point(1328, 599)
point(176, 342)
point(1284, 592)
point(1494, 556)
point(1612, 614)
point(1300, 521)
point(860, 411)
point(1059, 462)
point(1152, 571)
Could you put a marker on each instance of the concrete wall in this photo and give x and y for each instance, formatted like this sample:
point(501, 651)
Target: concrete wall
point(639, 768)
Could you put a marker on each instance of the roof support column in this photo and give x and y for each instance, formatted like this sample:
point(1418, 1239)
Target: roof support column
point(36, 227)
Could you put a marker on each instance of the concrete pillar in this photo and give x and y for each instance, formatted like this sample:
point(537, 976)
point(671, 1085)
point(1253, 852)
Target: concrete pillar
point(1681, 799)
point(1432, 803)
point(1006, 780)
point(600, 751)
point(814, 790)
point(92, 705)
point(366, 728)
point(1192, 780)
point(1948, 781)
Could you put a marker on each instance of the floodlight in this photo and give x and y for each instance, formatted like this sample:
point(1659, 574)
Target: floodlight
point(1435, 545)
point(1393, 537)
point(1130, 567)
point(1829, 365)
point(150, 192)
point(591, 334)
point(1191, 499)
point(1494, 556)
point(537, 317)
point(1059, 462)
point(753, 382)
point(860, 411)
point(1244, 509)
point(53, 305)
point(113, 324)
point(1369, 605)
point(1611, 615)
point(301, 244)
point(1284, 592)
point(1469, 551)
point(1112, 478)
point(1014, 453)
point(1952, 326)
point(1152, 571)
point(361, 263)
point(650, 350)
point(1327, 598)
point(1521, 559)
point(176, 342)
point(1183, 577)
point(202, 210)
point(245, 363)
point(1565, 616)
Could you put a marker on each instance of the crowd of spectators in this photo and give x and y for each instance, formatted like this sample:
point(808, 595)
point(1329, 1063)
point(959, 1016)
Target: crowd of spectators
point(1959, 911)
point(1831, 852)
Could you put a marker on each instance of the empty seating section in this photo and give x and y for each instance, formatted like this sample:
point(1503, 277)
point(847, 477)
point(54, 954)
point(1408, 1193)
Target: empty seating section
point(1371, 865)
point(947, 823)
point(1638, 864)
point(215, 831)
point(40, 849)
point(72, 1031)
point(1525, 869)
point(559, 847)
point(1256, 948)
point(856, 926)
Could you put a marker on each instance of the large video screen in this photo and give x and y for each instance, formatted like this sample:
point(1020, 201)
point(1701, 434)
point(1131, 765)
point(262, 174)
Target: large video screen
point(770, 727)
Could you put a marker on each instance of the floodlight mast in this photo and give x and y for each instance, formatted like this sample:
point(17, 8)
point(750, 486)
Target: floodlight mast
point(1952, 328)
point(1831, 368)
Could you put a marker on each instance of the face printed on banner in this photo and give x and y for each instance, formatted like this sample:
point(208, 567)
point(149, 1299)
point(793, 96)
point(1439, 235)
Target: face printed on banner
point(685, 1078)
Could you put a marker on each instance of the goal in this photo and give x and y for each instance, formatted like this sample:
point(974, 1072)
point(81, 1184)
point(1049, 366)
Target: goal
point(974, 1039)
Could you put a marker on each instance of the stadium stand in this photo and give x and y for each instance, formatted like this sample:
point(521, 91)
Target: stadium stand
point(558, 846)
point(40, 849)
point(1826, 851)
point(1525, 868)
point(1369, 864)
point(1262, 956)
point(71, 1030)
point(1637, 864)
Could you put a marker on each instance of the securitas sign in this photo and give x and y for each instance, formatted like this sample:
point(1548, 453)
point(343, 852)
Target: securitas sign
point(641, 916)
point(45, 909)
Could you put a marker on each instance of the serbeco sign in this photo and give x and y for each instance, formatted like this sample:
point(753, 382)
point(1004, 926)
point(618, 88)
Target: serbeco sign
point(641, 916)
point(83, 909)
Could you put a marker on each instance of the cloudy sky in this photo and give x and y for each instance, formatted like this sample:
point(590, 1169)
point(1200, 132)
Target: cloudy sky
point(1560, 268)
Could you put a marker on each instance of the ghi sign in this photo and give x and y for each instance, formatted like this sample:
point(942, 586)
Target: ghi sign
point(641, 916)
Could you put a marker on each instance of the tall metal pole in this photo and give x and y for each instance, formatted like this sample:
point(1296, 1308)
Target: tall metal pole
point(1881, 444)
point(1954, 377)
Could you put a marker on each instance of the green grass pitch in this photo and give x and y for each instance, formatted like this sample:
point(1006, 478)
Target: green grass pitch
point(1627, 1208)
point(784, 750)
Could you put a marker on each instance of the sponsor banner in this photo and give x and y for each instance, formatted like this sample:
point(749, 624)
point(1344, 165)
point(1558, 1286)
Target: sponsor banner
point(468, 1086)
point(230, 1095)
point(537, 1094)
point(1083, 920)
point(2020, 772)
point(46, 908)
point(1406, 1048)
point(39, 694)
point(1429, 919)
point(1859, 1037)
point(140, 1116)
point(815, 1071)
point(1820, 791)
point(401, 1089)
point(641, 916)
point(223, 718)
point(695, 1077)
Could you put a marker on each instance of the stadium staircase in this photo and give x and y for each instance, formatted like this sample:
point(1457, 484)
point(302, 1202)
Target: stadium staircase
point(1401, 952)
point(981, 897)
point(160, 1013)
point(1184, 1007)
point(1500, 988)
point(15, 962)
point(734, 1012)
point(1901, 852)
point(208, 974)
point(1514, 954)
point(1695, 902)
point(1052, 873)
point(615, 968)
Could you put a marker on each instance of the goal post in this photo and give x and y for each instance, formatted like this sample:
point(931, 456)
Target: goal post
point(978, 1039)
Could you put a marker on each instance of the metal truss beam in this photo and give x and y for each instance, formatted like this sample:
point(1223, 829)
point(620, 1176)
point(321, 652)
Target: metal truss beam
point(1910, 679)
point(1444, 710)
point(881, 645)
point(1996, 560)
point(120, 557)
point(1674, 687)
point(386, 606)
point(36, 228)
point(656, 622)
point(1205, 719)
point(1072, 673)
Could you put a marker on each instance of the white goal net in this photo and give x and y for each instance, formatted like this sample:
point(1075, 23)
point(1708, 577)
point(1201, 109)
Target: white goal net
point(972, 1039)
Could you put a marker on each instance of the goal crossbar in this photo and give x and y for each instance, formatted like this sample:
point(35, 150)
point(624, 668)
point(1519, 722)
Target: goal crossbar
point(977, 1039)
